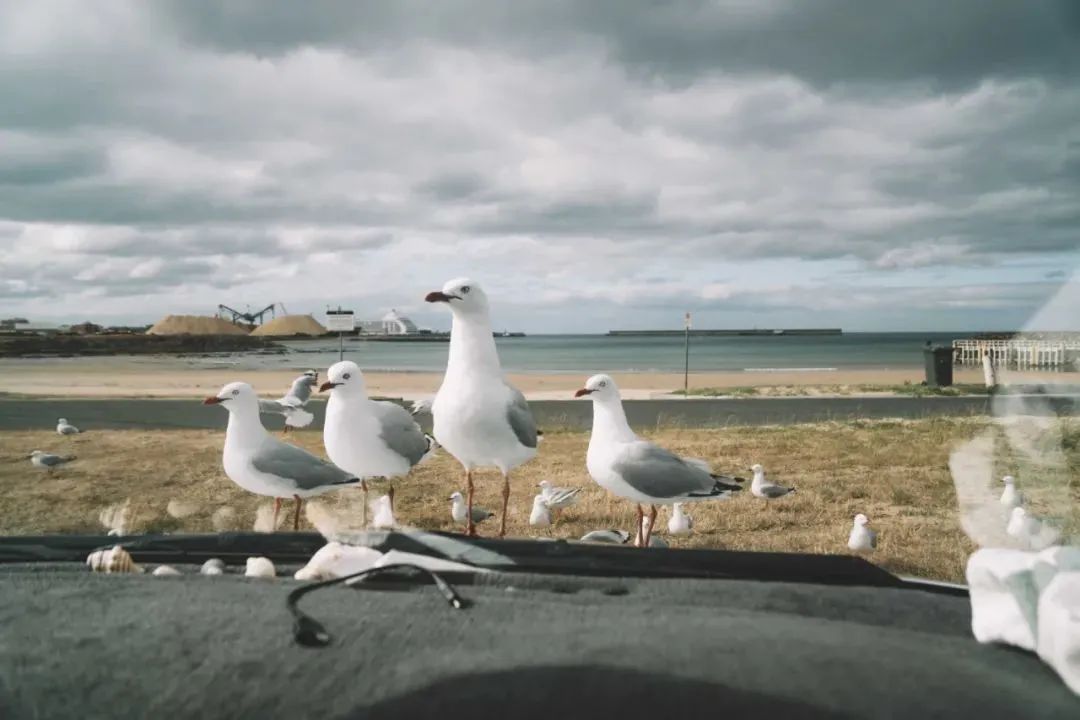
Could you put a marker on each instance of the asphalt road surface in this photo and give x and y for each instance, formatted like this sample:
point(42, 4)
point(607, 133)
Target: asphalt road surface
point(89, 414)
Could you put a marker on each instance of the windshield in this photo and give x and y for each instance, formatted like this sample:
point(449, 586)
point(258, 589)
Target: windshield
point(769, 276)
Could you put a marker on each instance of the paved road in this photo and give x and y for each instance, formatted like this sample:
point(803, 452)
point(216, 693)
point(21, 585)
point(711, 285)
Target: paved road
point(19, 414)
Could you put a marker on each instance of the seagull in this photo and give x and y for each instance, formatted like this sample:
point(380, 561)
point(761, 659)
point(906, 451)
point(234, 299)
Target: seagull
point(478, 417)
point(557, 498)
point(48, 461)
point(368, 438)
point(862, 538)
point(625, 465)
point(541, 513)
point(607, 537)
point(680, 523)
point(1032, 532)
point(383, 511)
point(292, 404)
point(264, 465)
point(1011, 498)
point(764, 489)
point(460, 512)
point(63, 427)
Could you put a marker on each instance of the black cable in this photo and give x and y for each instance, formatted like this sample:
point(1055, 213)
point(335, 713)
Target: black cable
point(310, 633)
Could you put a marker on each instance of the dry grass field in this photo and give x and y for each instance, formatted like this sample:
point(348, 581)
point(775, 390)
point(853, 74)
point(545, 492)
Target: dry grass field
point(894, 471)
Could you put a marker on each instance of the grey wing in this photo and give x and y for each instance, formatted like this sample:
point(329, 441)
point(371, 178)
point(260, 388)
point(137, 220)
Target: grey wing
point(653, 471)
point(301, 389)
point(873, 539)
point(480, 515)
point(776, 491)
point(305, 470)
point(271, 407)
point(52, 460)
point(401, 433)
point(521, 419)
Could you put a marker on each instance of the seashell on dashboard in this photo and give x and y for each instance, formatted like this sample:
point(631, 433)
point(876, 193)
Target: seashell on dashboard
point(112, 561)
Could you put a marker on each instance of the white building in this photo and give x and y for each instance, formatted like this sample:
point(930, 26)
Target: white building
point(391, 324)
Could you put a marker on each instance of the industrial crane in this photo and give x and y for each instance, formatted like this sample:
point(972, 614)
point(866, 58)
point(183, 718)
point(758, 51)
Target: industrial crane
point(252, 318)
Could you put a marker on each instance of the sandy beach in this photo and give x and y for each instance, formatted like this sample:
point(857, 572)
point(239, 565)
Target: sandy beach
point(126, 378)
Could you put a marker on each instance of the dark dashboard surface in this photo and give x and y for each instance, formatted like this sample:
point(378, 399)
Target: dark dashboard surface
point(78, 644)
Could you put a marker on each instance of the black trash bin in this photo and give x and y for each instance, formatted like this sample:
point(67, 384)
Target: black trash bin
point(939, 364)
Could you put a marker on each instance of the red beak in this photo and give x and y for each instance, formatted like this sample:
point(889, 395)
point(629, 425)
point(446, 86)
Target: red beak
point(583, 392)
point(327, 386)
point(435, 297)
point(212, 400)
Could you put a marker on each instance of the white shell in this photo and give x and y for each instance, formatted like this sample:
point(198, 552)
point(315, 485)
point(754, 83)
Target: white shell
point(114, 560)
point(166, 571)
point(336, 561)
point(260, 567)
point(213, 566)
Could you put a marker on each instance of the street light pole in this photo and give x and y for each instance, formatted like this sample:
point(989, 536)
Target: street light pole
point(686, 372)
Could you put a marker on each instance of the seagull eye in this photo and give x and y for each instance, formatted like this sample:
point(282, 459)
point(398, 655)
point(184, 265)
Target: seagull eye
point(346, 376)
point(603, 384)
point(235, 392)
point(465, 290)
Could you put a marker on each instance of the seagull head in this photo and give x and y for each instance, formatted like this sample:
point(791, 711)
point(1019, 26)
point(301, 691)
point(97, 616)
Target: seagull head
point(1008, 479)
point(599, 387)
point(543, 484)
point(235, 396)
point(462, 296)
point(862, 520)
point(36, 453)
point(757, 470)
point(456, 497)
point(345, 378)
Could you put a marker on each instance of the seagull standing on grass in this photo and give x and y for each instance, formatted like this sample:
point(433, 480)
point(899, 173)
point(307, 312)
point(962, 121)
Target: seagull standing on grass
point(264, 465)
point(480, 419)
point(63, 427)
point(625, 465)
point(367, 438)
point(764, 489)
point(1011, 497)
point(461, 513)
point(680, 523)
point(862, 538)
point(292, 404)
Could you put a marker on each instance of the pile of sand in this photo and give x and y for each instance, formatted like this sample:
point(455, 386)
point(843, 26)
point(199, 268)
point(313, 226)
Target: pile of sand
point(290, 325)
point(195, 325)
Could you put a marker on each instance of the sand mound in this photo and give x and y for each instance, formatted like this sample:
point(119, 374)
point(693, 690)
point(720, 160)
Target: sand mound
point(290, 325)
point(195, 325)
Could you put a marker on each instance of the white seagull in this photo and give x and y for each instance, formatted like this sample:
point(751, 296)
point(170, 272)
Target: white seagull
point(48, 461)
point(460, 512)
point(264, 465)
point(541, 513)
point(557, 498)
point(63, 427)
point(625, 465)
point(862, 538)
point(1032, 532)
point(480, 419)
point(680, 523)
point(292, 404)
point(607, 537)
point(764, 489)
point(1011, 497)
point(368, 438)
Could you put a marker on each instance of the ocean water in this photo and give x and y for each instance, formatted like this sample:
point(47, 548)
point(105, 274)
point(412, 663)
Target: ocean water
point(587, 354)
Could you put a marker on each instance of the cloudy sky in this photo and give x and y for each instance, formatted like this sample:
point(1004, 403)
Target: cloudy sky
point(609, 164)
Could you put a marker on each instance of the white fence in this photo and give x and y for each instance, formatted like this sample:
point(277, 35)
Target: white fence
point(1018, 353)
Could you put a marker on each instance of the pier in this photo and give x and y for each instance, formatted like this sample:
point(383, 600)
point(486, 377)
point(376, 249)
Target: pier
point(756, 332)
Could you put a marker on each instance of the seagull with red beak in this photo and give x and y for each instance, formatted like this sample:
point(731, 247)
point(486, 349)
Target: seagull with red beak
point(478, 417)
point(264, 465)
point(636, 469)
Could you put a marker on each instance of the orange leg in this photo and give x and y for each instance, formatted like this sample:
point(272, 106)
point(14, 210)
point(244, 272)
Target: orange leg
point(390, 494)
point(470, 525)
point(364, 488)
point(296, 519)
point(277, 511)
point(506, 502)
point(652, 524)
point(640, 527)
